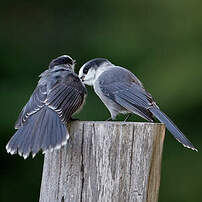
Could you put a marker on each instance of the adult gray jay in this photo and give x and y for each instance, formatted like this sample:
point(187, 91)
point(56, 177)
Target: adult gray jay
point(42, 122)
point(122, 92)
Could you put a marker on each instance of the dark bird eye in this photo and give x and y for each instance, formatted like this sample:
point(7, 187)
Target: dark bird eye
point(85, 70)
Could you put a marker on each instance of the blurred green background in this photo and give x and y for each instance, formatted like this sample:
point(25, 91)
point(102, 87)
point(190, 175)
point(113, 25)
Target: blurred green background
point(160, 41)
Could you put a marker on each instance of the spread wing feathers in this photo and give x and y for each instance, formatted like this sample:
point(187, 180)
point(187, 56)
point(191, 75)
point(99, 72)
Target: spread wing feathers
point(65, 100)
point(43, 130)
point(62, 98)
point(35, 103)
point(42, 122)
point(132, 97)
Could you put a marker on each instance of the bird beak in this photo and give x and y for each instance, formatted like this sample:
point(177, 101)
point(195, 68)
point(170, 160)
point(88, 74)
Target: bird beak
point(82, 78)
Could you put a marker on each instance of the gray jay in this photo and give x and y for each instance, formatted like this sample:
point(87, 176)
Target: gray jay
point(42, 122)
point(122, 92)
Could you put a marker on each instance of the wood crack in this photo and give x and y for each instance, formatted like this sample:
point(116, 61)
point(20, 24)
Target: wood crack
point(82, 164)
point(131, 157)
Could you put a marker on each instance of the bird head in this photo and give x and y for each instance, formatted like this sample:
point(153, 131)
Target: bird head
point(64, 60)
point(90, 71)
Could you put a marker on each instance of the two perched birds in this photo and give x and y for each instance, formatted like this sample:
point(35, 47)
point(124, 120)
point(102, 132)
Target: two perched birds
point(60, 93)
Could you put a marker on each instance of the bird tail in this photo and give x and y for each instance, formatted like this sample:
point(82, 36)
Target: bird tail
point(43, 130)
point(172, 128)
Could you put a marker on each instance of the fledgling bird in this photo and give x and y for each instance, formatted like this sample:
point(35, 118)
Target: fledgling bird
point(122, 92)
point(42, 122)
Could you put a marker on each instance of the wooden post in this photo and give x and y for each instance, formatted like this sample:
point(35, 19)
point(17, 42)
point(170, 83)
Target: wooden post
point(105, 162)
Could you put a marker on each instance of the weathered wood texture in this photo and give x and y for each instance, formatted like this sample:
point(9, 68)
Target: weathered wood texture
point(105, 161)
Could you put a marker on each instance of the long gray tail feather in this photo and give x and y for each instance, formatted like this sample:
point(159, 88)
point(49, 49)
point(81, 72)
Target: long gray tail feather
point(172, 128)
point(43, 130)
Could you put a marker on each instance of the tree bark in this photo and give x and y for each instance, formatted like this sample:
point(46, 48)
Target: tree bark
point(105, 161)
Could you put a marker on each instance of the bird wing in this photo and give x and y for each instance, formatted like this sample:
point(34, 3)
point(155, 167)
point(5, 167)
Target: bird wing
point(125, 89)
point(35, 103)
point(63, 94)
point(130, 96)
point(67, 96)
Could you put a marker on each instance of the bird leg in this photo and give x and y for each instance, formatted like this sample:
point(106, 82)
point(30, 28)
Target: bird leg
point(127, 117)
